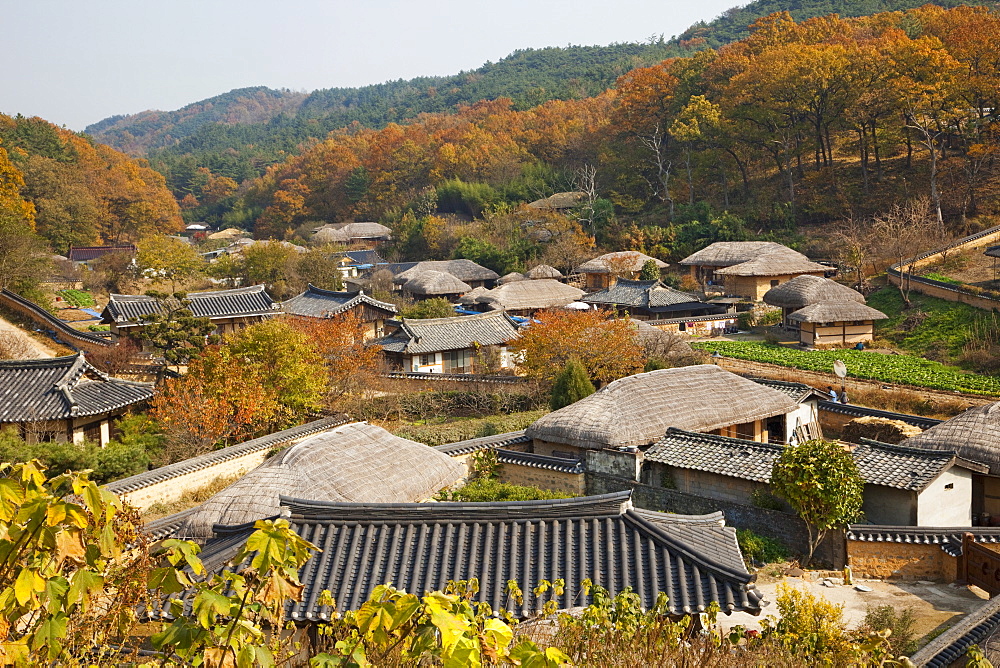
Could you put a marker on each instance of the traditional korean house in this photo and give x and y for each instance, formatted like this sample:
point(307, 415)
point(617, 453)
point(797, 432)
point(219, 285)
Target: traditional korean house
point(649, 300)
point(85, 255)
point(604, 270)
point(807, 290)
point(511, 278)
point(525, 297)
point(974, 435)
point(750, 268)
point(467, 271)
point(804, 422)
point(318, 303)
point(65, 399)
point(836, 324)
point(694, 561)
point(429, 284)
point(543, 271)
point(353, 463)
point(229, 310)
point(368, 235)
point(449, 345)
point(903, 486)
point(634, 412)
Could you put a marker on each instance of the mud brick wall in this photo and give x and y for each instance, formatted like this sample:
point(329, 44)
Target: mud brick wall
point(517, 474)
point(900, 561)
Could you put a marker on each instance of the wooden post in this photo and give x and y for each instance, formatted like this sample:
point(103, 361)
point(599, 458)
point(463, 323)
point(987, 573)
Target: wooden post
point(962, 570)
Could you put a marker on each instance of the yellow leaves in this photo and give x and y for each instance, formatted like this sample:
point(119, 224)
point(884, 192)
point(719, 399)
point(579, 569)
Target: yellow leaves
point(28, 585)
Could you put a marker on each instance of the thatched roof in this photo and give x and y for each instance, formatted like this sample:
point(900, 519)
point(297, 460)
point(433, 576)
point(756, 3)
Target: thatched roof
point(462, 269)
point(559, 201)
point(805, 290)
point(356, 462)
point(343, 233)
point(543, 271)
point(473, 294)
point(774, 262)
point(511, 278)
point(836, 312)
point(974, 435)
point(229, 233)
point(619, 260)
point(728, 253)
point(543, 293)
point(637, 410)
point(435, 283)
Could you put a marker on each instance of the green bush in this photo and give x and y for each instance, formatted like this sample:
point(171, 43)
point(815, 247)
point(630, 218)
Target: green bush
point(450, 432)
point(489, 490)
point(757, 548)
point(882, 617)
point(571, 385)
point(764, 499)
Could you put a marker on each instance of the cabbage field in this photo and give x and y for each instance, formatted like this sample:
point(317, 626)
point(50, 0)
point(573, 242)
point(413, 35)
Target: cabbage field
point(899, 369)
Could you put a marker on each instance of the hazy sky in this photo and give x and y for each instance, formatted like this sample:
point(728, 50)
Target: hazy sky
point(75, 62)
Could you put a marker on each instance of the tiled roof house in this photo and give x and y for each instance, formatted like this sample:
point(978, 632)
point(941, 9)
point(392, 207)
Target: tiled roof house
point(448, 345)
point(650, 300)
point(319, 303)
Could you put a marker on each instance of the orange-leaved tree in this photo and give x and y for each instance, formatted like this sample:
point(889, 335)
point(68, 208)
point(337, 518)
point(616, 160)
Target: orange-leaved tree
point(340, 341)
point(605, 346)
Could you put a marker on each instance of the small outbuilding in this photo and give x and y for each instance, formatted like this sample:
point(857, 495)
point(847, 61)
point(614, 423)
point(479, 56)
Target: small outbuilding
point(836, 324)
point(543, 271)
point(807, 290)
point(367, 234)
point(428, 284)
point(525, 297)
point(461, 344)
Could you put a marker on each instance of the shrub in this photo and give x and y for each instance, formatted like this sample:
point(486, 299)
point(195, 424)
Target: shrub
point(571, 385)
point(761, 498)
point(900, 623)
point(490, 490)
point(757, 548)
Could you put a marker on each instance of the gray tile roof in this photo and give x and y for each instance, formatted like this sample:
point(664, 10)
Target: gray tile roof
point(59, 388)
point(483, 442)
point(949, 648)
point(421, 336)
point(948, 538)
point(248, 301)
point(863, 411)
point(879, 463)
point(641, 294)
point(264, 443)
point(535, 461)
point(319, 303)
point(420, 547)
point(365, 256)
point(993, 251)
point(87, 253)
point(798, 392)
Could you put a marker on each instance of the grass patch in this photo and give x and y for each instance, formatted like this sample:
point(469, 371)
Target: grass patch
point(460, 429)
point(900, 369)
point(188, 499)
point(941, 278)
point(490, 490)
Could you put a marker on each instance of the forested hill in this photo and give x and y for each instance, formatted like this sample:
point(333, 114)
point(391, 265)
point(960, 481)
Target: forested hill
point(238, 134)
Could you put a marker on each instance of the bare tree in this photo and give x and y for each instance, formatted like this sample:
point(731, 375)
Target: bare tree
point(16, 346)
point(902, 234)
point(585, 181)
point(857, 247)
point(656, 143)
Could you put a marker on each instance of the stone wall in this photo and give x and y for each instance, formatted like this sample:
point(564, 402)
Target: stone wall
point(172, 489)
point(900, 561)
point(559, 481)
point(782, 527)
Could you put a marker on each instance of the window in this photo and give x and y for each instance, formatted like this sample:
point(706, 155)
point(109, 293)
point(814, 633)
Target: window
point(457, 361)
point(427, 360)
point(774, 283)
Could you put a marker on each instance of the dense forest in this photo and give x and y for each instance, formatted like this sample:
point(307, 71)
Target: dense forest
point(800, 123)
point(238, 134)
point(79, 192)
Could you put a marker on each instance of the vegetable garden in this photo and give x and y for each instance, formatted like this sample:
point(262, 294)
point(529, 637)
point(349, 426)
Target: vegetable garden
point(77, 298)
point(900, 369)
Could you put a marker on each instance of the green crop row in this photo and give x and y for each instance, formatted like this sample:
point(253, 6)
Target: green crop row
point(900, 369)
point(78, 298)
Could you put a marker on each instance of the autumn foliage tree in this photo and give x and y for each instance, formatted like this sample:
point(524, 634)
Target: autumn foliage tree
point(606, 347)
point(351, 365)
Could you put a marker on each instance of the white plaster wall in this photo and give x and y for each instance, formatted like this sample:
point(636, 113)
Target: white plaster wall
point(805, 413)
point(436, 367)
point(939, 506)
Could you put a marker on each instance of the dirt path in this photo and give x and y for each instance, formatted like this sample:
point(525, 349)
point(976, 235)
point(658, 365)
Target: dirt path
point(38, 348)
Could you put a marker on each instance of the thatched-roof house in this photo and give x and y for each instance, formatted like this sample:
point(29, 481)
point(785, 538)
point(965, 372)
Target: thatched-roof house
point(649, 300)
point(807, 290)
point(353, 463)
point(974, 435)
point(543, 271)
point(321, 304)
point(229, 310)
point(637, 410)
point(364, 234)
point(750, 268)
point(449, 345)
point(65, 399)
point(903, 486)
point(526, 297)
point(692, 560)
point(427, 284)
point(836, 324)
point(603, 270)
point(559, 201)
point(464, 270)
point(512, 277)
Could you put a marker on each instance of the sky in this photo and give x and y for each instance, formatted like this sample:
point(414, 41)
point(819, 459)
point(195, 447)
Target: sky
point(80, 61)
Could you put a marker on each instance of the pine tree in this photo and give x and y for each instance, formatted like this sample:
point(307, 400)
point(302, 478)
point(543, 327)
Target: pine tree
point(571, 385)
point(649, 272)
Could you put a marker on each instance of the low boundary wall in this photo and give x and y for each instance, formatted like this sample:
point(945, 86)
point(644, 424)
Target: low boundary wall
point(60, 330)
point(169, 483)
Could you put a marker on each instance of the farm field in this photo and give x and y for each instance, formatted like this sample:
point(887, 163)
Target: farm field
point(897, 369)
